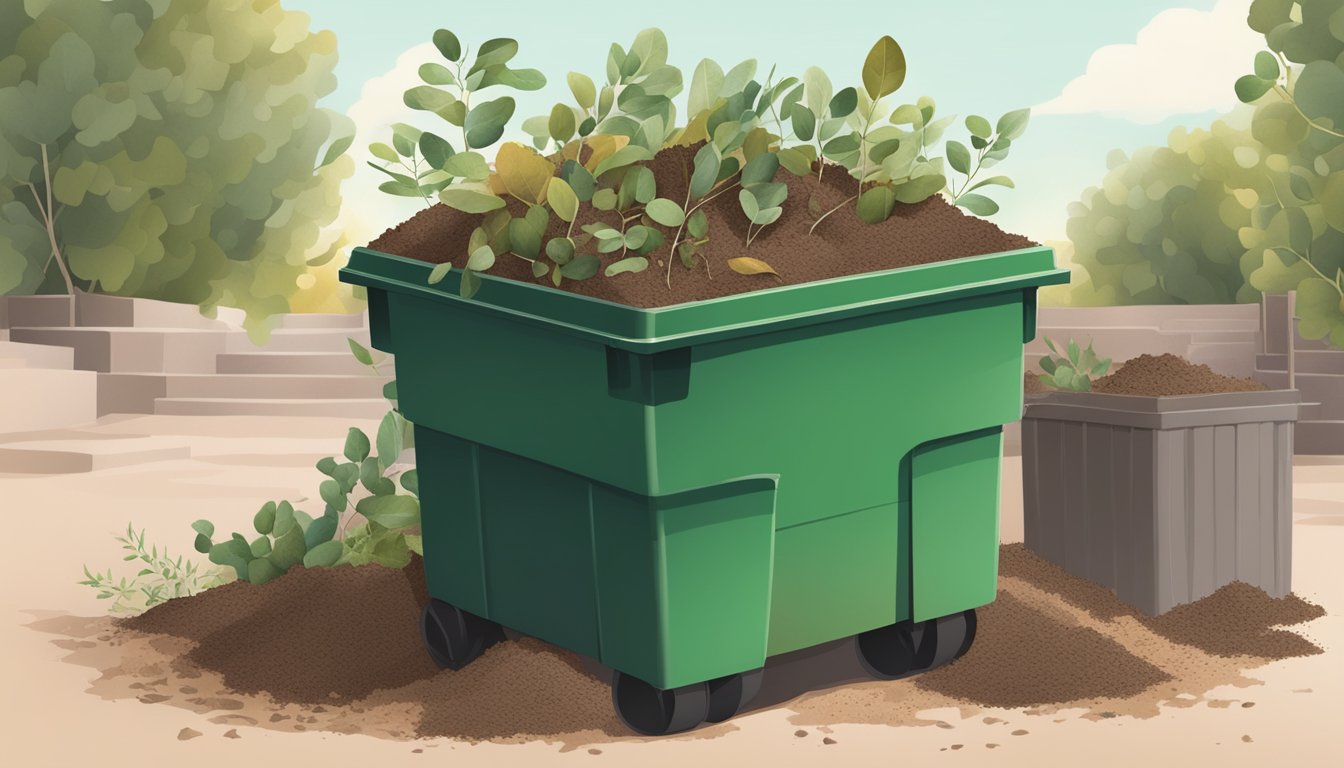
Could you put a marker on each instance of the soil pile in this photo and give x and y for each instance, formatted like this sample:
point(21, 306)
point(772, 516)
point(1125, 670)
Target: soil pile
point(922, 233)
point(338, 650)
point(1163, 375)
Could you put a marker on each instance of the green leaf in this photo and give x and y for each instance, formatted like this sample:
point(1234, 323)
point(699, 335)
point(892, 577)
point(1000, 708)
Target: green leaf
point(579, 180)
point(470, 284)
point(959, 157)
point(876, 204)
point(622, 157)
point(439, 272)
point(1048, 365)
point(884, 149)
point(1249, 88)
point(884, 69)
point(468, 165)
point(645, 186)
point(204, 527)
point(405, 138)
point(436, 150)
point(428, 98)
point(560, 250)
point(356, 445)
point(1013, 124)
point(804, 123)
point(665, 212)
point(410, 480)
point(697, 224)
point(844, 102)
point(797, 160)
point(264, 520)
point(485, 122)
point(632, 264)
point(562, 199)
point(494, 52)
point(384, 152)
point(604, 199)
point(1073, 352)
point(636, 236)
point(978, 126)
point(920, 188)
point(261, 570)
point(760, 169)
point(390, 390)
point(389, 440)
point(581, 268)
point(706, 170)
point(448, 44)
point(706, 85)
point(1002, 181)
point(561, 123)
point(470, 200)
point(1266, 66)
point(324, 555)
point(360, 352)
point(437, 74)
point(978, 204)
point(581, 85)
point(738, 77)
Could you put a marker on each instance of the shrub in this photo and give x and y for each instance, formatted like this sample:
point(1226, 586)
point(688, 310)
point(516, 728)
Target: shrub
point(1074, 370)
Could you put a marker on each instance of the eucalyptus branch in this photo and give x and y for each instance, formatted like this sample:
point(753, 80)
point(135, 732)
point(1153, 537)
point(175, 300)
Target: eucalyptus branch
point(842, 204)
point(1288, 97)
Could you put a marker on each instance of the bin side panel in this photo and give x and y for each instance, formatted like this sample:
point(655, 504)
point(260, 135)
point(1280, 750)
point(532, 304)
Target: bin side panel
point(538, 550)
point(516, 387)
point(1172, 521)
point(1224, 501)
point(954, 505)
point(1247, 484)
point(835, 577)
point(684, 580)
point(1100, 462)
point(834, 408)
point(1203, 528)
point(450, 520)
point(1283, 513)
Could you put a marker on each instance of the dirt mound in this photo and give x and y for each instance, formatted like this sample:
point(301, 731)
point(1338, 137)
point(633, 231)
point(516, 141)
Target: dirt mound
point(1163, 375)
point(1236, 620)
point(842, 245)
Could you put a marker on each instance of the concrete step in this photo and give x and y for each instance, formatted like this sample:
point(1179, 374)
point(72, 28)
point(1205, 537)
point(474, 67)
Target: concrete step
point(68, 456)
point(355, 408)
point(306, 340)
point(97, 310)
point(35, 311)
point(1308, 361)
point(140, 389)
point(327, 321)
point(16, 354)
point(131, 350)
point(310, 363)
point(46, 398)
point(1319, 438)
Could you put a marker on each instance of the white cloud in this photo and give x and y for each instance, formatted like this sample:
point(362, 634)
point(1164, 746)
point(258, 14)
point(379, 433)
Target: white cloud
point(365, 211)
point(1183, 62)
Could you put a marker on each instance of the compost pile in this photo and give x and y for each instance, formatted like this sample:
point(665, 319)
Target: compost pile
point(1164, 375)
point(925, 232)
point(338, 649)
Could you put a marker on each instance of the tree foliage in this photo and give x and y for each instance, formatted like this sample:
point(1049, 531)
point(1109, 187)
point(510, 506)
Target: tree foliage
point(186, 158)
point(1253, 204)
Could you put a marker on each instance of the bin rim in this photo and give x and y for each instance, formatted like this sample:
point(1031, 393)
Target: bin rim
point(656, 329)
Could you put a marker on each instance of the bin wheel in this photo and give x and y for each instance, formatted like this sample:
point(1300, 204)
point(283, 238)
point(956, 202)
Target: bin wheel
point(907, 647)
point(728, 695)
point(454, 637)
point(658, 711)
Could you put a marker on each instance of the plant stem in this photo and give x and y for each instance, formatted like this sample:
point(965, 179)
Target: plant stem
point(49, 220)
point(863, 139)
point(1312, 267)
point(1288, 97)
point(688, 216)
point(842, 204)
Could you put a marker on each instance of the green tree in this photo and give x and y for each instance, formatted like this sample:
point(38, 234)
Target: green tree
point(1253, 204)
point(167, 149)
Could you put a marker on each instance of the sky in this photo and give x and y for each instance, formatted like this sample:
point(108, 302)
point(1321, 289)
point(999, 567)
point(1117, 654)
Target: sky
point(1098, 76)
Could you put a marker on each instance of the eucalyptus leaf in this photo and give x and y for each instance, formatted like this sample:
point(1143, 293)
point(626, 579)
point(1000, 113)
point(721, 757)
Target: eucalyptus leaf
point(631, 264)
point(583, 88)
point(448, 44)
point(665, 212)
point(884, 69)
point(581, 268)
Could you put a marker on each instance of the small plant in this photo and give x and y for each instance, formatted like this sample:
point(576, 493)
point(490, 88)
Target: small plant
point(288, 537)
point(160, 579)
point(745, 132)
point(1073, 371)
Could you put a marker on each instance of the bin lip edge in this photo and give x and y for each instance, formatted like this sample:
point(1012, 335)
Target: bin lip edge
point(645, 319)
point(1165, 403)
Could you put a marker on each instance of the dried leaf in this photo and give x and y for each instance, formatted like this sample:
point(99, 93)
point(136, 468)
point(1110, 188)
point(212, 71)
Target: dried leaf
point(745, 265)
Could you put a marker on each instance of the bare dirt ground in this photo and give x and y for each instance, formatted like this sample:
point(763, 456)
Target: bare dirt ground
point(1060, 673)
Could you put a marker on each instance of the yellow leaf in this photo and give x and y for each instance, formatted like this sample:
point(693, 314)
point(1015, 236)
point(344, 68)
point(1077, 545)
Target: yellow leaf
point(695, 131)
point(496, 185)
point(745, 265)
point(603, 146)
point(524, 173)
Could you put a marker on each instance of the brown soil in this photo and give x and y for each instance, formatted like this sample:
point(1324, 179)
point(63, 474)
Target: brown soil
point(842, 245)
point(339, 650)
point(1164, 375)
point(1032, 385)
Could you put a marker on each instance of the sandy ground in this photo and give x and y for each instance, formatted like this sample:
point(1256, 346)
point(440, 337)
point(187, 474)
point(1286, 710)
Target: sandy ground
point(74, 702)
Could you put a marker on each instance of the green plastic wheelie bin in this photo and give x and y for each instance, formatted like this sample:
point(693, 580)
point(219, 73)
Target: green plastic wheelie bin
point(682, 492)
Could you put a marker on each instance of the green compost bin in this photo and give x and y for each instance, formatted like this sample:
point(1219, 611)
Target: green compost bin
point(682, 492)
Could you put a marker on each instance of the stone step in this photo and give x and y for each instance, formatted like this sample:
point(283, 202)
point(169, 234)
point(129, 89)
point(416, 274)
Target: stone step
point(124, 312)
point(328, 321)
point(46, 398)
point(1307, 361)
point(16, 354)
point(69, 456)
point(1319, 438)
point(310, 363)
point(306, 340)
point(355, 408)
point(137, 350)
point(136, 392)
point(35, 311)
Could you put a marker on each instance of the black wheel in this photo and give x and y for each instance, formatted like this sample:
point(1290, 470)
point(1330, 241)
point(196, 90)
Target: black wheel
point(728, 695)
point(454, 637)
point(907, 648)
point(659, 711)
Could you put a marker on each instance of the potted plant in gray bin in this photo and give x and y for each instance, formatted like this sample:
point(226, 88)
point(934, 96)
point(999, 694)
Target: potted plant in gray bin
point(1163, 481)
